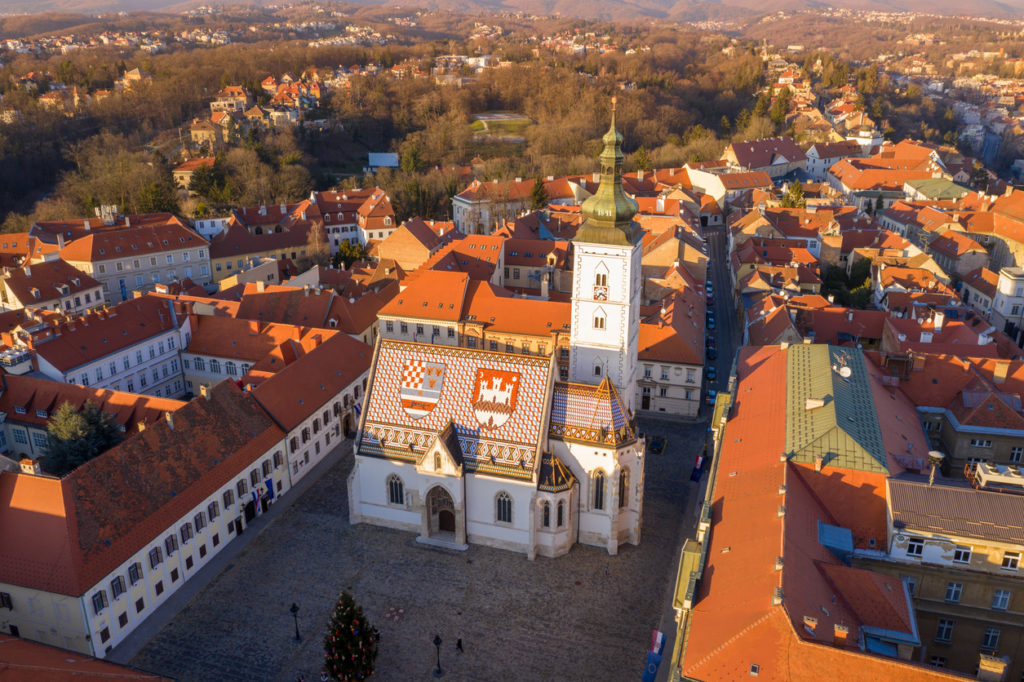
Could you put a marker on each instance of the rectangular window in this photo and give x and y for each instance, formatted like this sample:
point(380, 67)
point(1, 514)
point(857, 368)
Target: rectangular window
point(389, 326)
point(1015, 454)
point(186, 532)
point(451, 333)
point(135, 573)
point(938, 661)
point(117, 587)
point(944, 633)
point(99, 602)
point(140, 604)
point(200, 521)
point(981, 443)
point(171, 544)
point(229, 498)
point(1011, 560)
point(953, 592)
point(155, 557)
point(213, 510)
point(915, 547)
point(1001, 600)
point(991, 639)
point(962, 555)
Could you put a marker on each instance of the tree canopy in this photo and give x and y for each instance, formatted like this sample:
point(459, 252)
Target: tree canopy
point(75, 436)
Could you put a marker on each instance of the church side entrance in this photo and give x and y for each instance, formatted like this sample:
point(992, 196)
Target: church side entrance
point(441, 509)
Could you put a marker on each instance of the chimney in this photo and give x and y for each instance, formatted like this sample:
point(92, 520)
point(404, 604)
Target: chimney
point(261, 286)
point(284, 209)
point(127, 221)
point(849, 316)
point(87, 226)
point(305, 290)
point(999, 371)
point(60, 240)
point(169, 416)
point(940, 317)
point(818, 461)
point(992, 668)
point(839, 634)
point(30, 466)
point(204, 391)
point(141, 426)
point(28, 271)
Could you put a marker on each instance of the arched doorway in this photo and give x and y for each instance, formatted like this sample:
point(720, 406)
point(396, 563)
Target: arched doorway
point(348, 426)
point(441, 510)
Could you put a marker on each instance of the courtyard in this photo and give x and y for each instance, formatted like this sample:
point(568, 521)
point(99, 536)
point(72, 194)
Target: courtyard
point(584, 616)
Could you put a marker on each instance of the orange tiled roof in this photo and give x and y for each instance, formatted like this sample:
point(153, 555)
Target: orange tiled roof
point(28, 661)
point(65, 535)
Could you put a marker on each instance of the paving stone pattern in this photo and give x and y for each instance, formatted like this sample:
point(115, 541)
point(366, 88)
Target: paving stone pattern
point(584, 616)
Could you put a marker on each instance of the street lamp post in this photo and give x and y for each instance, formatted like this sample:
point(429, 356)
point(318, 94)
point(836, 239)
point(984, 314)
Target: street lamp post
point(437, 644)
point(295, 614)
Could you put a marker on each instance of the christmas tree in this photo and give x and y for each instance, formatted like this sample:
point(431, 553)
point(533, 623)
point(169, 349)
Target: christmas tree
point(350, 647)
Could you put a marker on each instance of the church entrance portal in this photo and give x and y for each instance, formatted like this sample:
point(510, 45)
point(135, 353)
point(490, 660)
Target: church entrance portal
point(446, 521)
point(442, 511)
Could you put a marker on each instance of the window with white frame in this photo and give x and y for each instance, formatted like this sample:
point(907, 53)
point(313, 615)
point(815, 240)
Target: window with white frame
point(990, 641)
point(1015, 454)
point(915, 547)
point(1011, 560)
point(953, 592)
point(944, 632)
point(962, 554)
point(1001, 600)
point(981, 443)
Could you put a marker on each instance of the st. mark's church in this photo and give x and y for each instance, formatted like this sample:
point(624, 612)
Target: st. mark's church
point(462, 445)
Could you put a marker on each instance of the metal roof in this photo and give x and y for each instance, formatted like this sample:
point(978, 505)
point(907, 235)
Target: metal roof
point(830, 410)
point(957, 510)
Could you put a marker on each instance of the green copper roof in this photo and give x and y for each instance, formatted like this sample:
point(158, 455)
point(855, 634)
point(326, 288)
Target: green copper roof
point(609, 213)
point(938, 188)
point(830, 411)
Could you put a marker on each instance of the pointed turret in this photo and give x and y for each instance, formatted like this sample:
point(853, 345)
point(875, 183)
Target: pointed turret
point(609, 213)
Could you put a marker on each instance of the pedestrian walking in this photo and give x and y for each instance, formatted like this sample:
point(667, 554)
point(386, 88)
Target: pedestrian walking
point(458, 646)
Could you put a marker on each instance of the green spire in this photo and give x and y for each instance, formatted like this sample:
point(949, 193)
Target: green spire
point(609, 213)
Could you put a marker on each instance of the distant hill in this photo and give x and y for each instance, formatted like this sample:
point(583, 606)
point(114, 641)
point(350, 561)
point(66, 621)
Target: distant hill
point(614, 10)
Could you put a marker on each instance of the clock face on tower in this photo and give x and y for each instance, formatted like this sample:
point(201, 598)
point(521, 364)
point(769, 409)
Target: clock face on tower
point(600, 293)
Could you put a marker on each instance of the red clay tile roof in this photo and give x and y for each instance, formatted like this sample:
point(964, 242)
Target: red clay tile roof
point(733, 624)
point(48, 279)
point(103, 243)
point(248, 340)
point(22, 660)
point(101, 332)
point(676, 335)
point(195, 164)
point(65, 535)
point(955, 244)
point(302, 388)
point(433, 294)
point(764, 153)
point(285, 305)
point(32, 395)
point(982, 280)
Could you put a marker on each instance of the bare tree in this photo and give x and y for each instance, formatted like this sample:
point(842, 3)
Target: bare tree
point(317, 249)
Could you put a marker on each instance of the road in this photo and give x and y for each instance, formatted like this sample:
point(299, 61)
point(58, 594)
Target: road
point(727, 331)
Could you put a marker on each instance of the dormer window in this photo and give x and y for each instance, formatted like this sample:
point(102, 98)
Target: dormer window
point(41, 414)
point(18, 409)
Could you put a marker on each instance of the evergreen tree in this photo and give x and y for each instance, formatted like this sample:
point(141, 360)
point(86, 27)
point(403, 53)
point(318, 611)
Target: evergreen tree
point(538, 195)
point(350, 647)
point(76, 436)
point(348, 253)
point(642, 159)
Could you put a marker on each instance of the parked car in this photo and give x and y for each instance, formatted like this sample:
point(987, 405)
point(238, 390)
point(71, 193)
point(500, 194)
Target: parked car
point(709, 287)
point(711, 323)
point(712, 353)
point(711, 372)
point(709, 341)
point(709, 399)
point(709, 299)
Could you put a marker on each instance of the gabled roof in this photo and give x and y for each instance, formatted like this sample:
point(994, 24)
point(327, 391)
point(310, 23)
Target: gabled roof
point(497, 401)
point(982, 280)
point(100, 333)
point(65, 535)
point(103, 243)
point(38, 397)
point(433, 294)
point(49, 279)
point(285, 305)
point(302, 388)
point(767, 152)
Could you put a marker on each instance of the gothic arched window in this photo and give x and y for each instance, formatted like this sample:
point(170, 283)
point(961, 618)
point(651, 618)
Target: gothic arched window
point(623, 488)
point(599, 490)
point(547, 515)
point(396, 490)
point(561, 514)
point(504, 507)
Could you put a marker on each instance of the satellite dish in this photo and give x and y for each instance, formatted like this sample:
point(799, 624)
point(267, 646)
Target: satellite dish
point(845, 372)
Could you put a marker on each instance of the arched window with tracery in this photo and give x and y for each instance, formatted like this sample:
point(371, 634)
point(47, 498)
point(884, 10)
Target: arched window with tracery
point(504, 507)
point(599, 490)
point(396, 490)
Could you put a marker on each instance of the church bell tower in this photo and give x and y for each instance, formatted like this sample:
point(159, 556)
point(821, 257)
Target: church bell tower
point(607, 281)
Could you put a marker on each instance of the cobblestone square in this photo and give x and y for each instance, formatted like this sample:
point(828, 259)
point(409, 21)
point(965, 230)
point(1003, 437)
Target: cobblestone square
point(584, 616)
